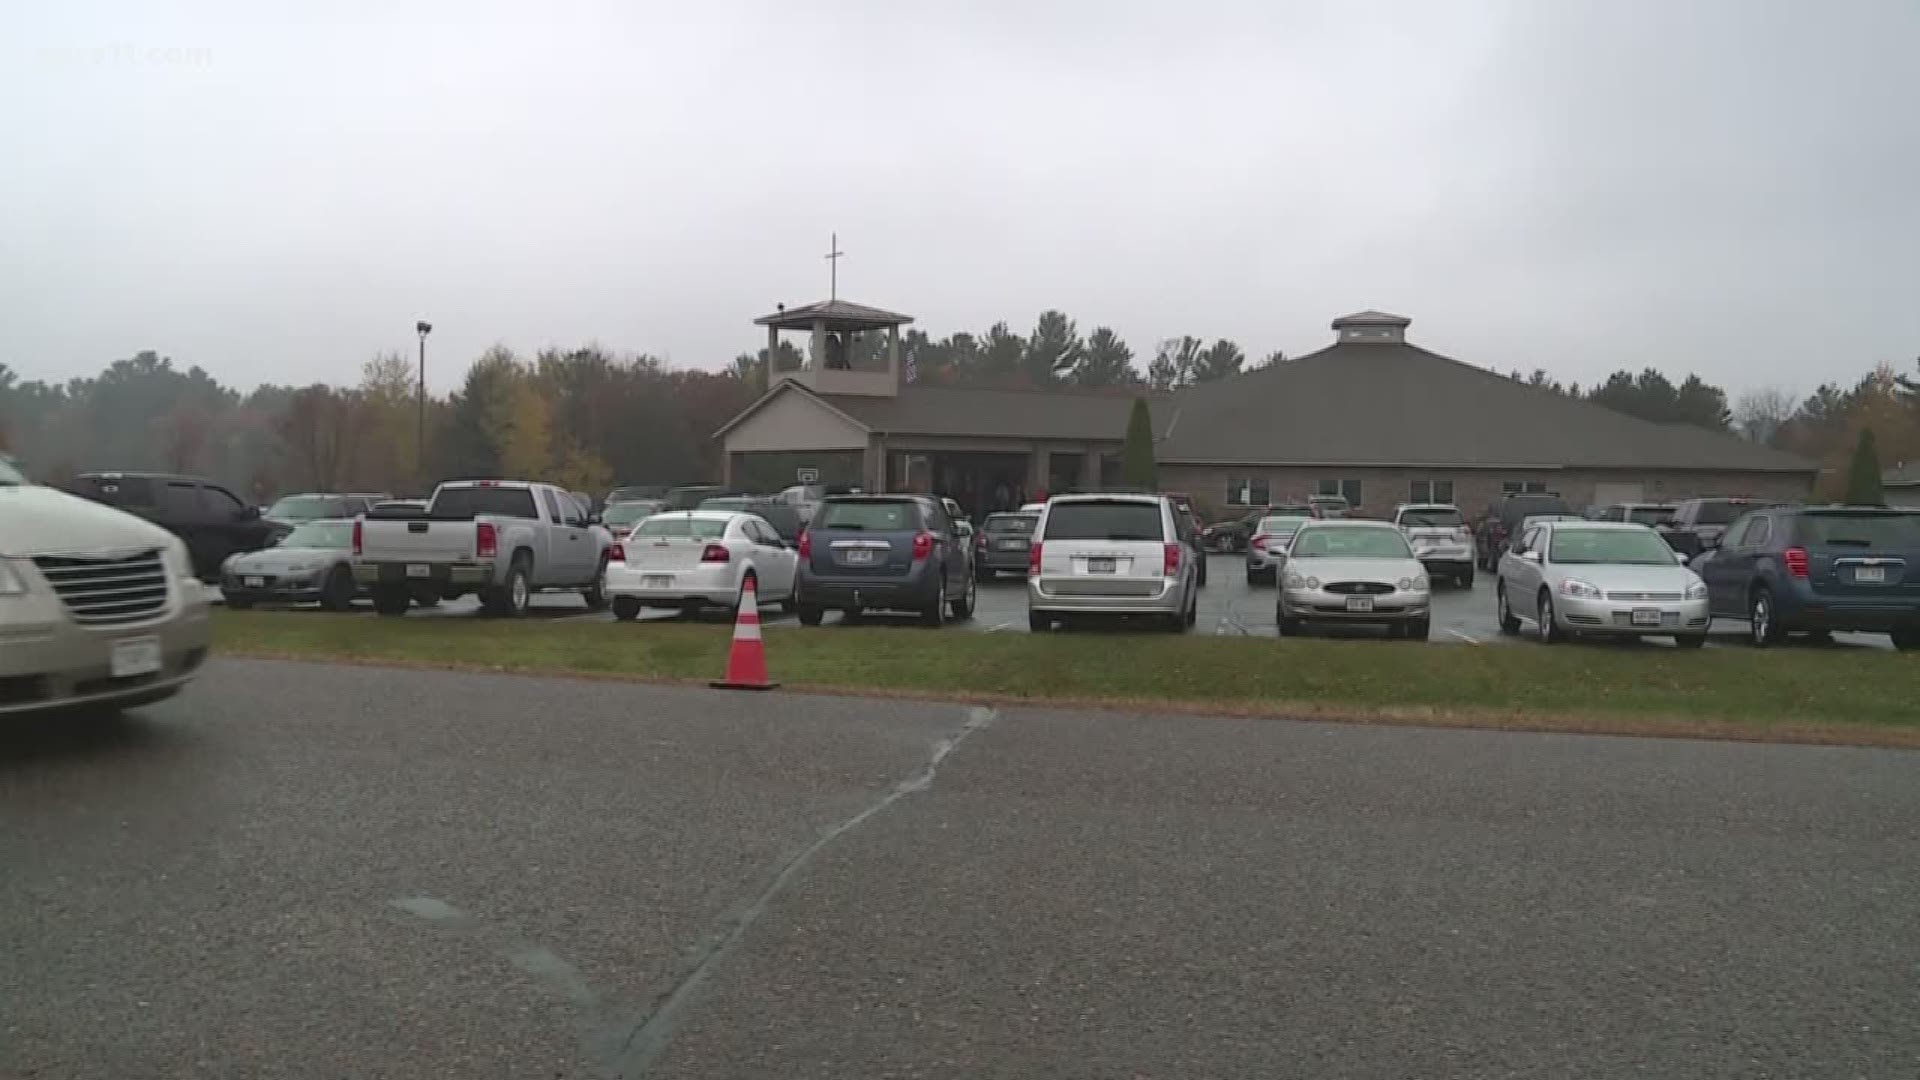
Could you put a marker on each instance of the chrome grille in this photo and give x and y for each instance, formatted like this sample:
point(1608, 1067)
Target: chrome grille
point(103, 592)
point(1633, 596)
point(1359, 588)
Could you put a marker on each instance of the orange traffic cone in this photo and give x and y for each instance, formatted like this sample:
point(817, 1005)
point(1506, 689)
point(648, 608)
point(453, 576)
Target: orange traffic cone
point(747, 659)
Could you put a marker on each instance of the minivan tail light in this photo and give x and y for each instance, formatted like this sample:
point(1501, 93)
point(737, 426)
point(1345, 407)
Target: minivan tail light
point(806, 544)
point(1033, 559)
point(486, 540)
point(616, 553)
point(1796, 560)
point(1170, 565)
point(716, 553)
point(356, 536)
point(1259, 542)
point(922, 545)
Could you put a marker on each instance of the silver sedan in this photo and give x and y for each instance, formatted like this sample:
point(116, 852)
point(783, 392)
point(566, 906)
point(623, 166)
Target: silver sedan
point(1617, 579)
point(1353, 571)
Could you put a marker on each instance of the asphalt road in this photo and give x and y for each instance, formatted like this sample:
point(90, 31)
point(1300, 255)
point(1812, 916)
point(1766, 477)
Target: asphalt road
point(1228, 606)
point(301, 871)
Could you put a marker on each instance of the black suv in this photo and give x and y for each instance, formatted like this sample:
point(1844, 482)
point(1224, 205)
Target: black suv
point(884, 552)
point(1505, 516)
point(207, 517)
point(1819, 569)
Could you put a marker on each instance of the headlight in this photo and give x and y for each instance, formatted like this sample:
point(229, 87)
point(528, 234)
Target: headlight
point(177, 559)
point(1295, 581)
point(1579, 590)
point(1414, 584)
point(10, 582)
point(1697, 590)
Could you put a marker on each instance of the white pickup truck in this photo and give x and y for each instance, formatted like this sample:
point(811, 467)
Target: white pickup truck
point(503, 539)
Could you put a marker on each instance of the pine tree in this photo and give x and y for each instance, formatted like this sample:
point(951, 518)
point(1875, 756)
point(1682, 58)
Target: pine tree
point(1863, 475)
point(1136, 455)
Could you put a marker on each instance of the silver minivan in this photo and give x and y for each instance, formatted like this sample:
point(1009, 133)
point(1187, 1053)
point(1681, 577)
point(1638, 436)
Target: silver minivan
point(1111, 555)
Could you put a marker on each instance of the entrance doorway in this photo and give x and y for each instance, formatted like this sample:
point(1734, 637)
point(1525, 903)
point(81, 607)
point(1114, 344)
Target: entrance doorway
point(982, 483)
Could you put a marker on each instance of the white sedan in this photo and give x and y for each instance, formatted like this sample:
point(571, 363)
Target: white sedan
point(694, 558)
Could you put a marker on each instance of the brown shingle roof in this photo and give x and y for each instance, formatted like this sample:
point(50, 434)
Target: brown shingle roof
point(839, 315)
point(982, 411)
point(1369, 403)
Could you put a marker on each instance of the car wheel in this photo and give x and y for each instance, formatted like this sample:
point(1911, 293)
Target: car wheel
point(1549, 630)
point(1690, 641)
point(1418, 629)
point(1906, 640)
point(963, 607)
point(810, 614)
point(1509, 622)
point(1466, 578)
point(1038, 623)
point(424, 598)
point(239, 603)
point(1763, 626)
point(511, 597)
point(1820, 637)
point(1201, 557)
point(391, 600)
point(596, 594)
point(935, 614)
point(337, 593)
point(983, 573)
point(1193, 611)
point(626, 608)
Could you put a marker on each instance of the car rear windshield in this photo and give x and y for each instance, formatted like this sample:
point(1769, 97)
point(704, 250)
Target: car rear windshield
point(1612, 547)
point(872, 515)
point(1877, 532)
point(1441, 518)
point(463, 502)
point(1012, 523)
point(1364, 543)
point(1282, 526)
point(1103, 520)
point(627, 513)
point(1528, 505)
point(320, 534)
point(1720, 513)
point(1649, 515)
point(307, 508)
point(680, 528)
point(726, 503)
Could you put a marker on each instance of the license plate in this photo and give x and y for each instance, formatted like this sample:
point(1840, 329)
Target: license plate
point(419, 570)
point(656, 581)
point(861, 556)
point(1100, 566)
point(1009, 545)
point(135, 656)
point(1646, 616)
point(1359, 603)
point(1870, 575)
point(254, 582)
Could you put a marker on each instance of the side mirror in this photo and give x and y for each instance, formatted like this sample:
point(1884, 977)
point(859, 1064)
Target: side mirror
point(247, 513)
point(1710, 543)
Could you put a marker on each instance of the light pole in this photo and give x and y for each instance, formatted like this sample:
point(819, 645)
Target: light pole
point(420, 423)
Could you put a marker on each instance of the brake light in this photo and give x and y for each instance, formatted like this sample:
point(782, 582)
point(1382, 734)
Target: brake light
point(616, 553)
point(1033, 559)
point(716, 553)
point(1258, 542)
point(1170, 565)
point(486, 540)
point(806, 544)
point(1796, 560)
point(922, 545)
point(356, 536)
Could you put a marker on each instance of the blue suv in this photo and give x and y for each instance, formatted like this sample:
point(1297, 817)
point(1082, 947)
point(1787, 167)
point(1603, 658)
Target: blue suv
point(1819, 569)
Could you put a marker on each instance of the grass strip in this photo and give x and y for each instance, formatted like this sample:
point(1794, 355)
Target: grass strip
point(1798, 694)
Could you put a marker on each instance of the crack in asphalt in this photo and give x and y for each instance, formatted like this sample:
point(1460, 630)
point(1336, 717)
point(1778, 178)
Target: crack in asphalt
point(648, 1038)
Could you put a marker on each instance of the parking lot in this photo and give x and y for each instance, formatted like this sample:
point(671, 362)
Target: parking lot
point(1228, 605)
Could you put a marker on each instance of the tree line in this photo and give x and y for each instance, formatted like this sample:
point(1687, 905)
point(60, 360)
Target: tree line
point(589, 418)
point(1053, 354)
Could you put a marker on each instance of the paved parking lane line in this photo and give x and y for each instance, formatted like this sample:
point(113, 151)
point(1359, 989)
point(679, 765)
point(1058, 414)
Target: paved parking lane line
point(1468, 638)
point(999, 626)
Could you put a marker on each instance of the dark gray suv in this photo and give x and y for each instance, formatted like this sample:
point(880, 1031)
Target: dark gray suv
point(887, 553)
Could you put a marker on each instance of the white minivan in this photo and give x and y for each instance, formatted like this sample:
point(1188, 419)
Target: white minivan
point(1111, 555)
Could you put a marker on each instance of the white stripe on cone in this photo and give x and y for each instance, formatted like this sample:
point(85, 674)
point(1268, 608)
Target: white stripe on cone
point(746, 625)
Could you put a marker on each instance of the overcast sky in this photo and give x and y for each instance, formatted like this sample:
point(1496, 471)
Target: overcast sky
point(277, 191)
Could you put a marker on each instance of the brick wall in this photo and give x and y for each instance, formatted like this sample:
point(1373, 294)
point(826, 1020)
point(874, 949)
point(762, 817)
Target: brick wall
point(1474, 489)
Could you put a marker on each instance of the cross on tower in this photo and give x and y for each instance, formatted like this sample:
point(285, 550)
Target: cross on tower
point(833, 258)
